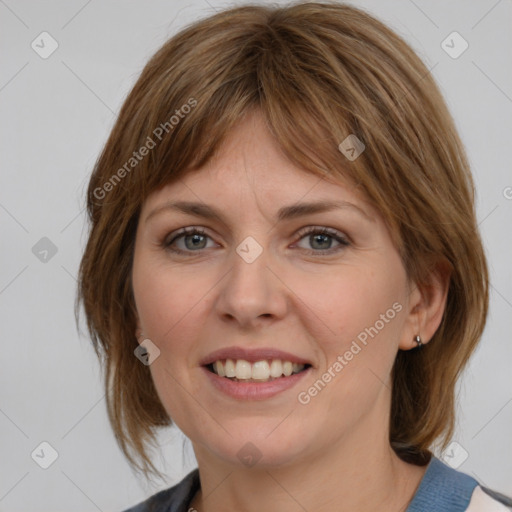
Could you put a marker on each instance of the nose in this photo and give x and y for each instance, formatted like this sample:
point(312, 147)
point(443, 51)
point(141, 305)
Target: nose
point(252, 293)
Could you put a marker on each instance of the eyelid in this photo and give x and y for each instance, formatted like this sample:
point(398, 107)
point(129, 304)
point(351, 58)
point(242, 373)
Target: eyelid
point(182, 232)
point(342, 239)
point(322, 230)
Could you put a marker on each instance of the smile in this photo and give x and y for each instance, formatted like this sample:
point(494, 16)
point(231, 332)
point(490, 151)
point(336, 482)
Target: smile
point(241, 370)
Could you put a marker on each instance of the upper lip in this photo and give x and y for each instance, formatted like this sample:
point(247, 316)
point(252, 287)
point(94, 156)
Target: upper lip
point(251, 355)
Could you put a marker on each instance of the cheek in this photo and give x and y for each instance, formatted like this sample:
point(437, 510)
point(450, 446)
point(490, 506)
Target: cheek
point(168, 302)
point(365, 314)
point(374, 321)
point(354, 303)
point(166, 299)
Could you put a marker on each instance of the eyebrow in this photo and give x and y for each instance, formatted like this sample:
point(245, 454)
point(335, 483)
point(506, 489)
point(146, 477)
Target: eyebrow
point(285, 213)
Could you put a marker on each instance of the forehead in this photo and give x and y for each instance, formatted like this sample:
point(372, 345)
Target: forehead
point(250, 166)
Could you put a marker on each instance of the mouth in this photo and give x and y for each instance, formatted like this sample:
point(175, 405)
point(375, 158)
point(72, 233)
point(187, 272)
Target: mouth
point(263, 370)
point(255, 373)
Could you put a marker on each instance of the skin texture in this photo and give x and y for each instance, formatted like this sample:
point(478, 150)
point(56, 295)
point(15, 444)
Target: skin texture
point(332, 453)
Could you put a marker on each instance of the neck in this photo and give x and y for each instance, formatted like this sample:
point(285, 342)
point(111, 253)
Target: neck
point(357, 473)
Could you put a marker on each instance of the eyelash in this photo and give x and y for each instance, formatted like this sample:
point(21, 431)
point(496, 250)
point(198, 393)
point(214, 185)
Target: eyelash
point(302, 234)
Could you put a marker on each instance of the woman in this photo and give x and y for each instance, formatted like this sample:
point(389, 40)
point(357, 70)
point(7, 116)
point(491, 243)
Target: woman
point(284, 261)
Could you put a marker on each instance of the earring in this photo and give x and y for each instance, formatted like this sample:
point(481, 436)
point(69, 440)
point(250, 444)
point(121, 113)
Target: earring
point(417, 339)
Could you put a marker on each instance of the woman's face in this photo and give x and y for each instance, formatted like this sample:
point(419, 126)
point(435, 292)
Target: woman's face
point(260, 287)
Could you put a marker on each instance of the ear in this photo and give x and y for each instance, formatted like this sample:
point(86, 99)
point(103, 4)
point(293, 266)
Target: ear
point(139, 332)
point(427, 303)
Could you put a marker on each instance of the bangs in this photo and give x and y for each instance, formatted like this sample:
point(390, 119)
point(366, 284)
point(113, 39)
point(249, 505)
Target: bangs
point(315, 93)
point(312, 92)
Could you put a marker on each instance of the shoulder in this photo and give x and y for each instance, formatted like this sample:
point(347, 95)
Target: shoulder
point(444, 489)
point(486, 500)
point(174, 499)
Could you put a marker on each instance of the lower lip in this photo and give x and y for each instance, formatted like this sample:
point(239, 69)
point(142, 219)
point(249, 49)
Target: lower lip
point(254, 390)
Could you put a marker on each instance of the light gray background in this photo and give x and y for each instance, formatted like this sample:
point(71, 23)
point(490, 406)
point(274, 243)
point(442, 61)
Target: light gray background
point(57, 112)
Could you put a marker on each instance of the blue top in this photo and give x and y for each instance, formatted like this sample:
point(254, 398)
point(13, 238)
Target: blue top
point(442, 489)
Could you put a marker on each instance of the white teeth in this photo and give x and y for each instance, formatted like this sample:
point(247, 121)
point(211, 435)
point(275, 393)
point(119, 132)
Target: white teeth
point(260, 370)
point(243, 369)
point(263, 370)
point(219, 368)
point(229, 368)
point(276, 368)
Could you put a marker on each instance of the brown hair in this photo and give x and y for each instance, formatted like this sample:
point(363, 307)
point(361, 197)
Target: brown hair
point(318, 72)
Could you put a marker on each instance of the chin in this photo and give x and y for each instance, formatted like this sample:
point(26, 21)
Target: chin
point(259, 446)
